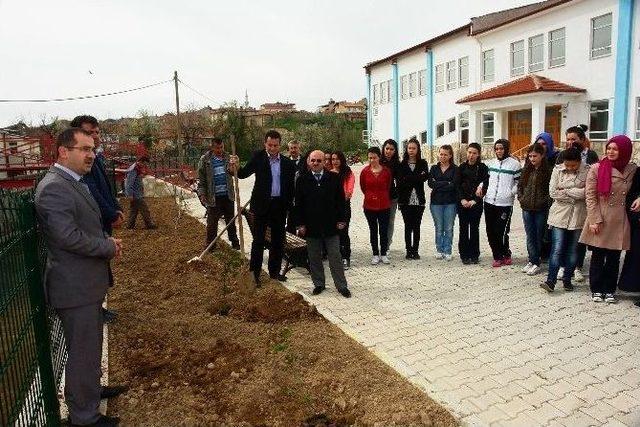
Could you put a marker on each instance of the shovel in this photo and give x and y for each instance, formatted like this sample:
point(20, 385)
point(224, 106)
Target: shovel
point(213, 242)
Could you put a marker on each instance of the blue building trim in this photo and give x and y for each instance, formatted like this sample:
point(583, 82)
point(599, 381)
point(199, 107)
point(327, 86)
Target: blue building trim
point(396, 104)
point(623, 66)
point(369, 105)
point(429, 97)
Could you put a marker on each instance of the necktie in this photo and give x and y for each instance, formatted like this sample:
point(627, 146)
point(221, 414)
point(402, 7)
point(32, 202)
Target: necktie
point(318, 176)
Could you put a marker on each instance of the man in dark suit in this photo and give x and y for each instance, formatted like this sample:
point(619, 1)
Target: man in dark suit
point(77, 274)
point(100, 187)
point(271, 198)
point(319, 213)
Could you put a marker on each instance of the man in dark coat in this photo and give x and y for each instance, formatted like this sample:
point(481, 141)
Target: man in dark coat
point(630, 275)
point(271, 199)
point(319, 213)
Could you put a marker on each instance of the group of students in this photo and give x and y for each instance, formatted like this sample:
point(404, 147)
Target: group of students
point(570, 201)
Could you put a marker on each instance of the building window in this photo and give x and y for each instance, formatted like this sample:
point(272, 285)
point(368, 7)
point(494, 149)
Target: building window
point(386, 87)
point(422, 82)
point(451, 75)
point(392, 91)
point(463, 72)
point(439, 78)
point(383, 93)
point(487, 128)
point(601, 36)
point(463, 124)
point(423, 137)
point(517, 58)
point(536, 53)
point(404, 87)
point(556, 48)
point(375, 94)
point(412, 84)
point(637, 118)
point(599, 120)
point(488, 72)
point(439, 130)
point(452, 124)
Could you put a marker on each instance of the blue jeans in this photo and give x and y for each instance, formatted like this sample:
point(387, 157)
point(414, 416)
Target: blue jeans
point(535, 223)
point(564, 251)
point(444, 217)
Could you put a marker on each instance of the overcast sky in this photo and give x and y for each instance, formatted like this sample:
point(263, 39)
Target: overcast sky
point(300, 51)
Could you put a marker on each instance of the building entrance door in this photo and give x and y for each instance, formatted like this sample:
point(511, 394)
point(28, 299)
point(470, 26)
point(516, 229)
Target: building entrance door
point(519, 129)
point(552, 123)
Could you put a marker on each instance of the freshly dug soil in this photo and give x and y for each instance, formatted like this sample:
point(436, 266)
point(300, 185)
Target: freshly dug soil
point(199, 345)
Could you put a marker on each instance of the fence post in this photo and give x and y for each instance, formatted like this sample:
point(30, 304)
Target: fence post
point(38, 305)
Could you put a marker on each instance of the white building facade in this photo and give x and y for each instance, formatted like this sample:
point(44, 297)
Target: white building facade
point(513, 74)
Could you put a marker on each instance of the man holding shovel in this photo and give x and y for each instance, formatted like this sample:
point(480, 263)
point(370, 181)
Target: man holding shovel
point(216, 191)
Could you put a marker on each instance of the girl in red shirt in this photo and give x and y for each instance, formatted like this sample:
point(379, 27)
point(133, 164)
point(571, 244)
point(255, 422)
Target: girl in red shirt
point(375, 182)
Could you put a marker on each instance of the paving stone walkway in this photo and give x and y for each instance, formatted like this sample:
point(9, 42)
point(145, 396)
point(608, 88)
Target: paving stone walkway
point(488, 343)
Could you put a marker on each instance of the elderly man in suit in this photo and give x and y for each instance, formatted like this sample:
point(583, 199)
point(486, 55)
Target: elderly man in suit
point(271, 199)
point(77, 272)
point(319, 213)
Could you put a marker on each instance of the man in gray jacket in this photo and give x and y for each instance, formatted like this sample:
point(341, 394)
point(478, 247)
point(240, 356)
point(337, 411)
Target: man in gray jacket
point(77, 272)
point(216, 191)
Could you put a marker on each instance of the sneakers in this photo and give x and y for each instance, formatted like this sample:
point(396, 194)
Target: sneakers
point(448, 257)
point(507, 260)
point(527, 267)
point(610, 298)
point(597, 297)
point(346, 264)
point(568, 287)
point(578, 276)
point(385, 259)
point(497, 263)
point(439, 255)
point(549, 287)
point(560, 275)
point(375, 260)
point(533, 270)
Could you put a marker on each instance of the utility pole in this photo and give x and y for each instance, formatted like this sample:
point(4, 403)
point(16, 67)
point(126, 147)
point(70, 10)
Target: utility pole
point(178, 127)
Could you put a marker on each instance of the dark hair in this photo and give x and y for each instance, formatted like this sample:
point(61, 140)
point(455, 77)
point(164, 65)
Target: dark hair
point(405, 157)
point(217, 141)
point(67, 138)
point(505, 144)
point(143, 158)
point(475, 146)
point(273, 134)
point(448, 148)
point(375, 150)
point(344, 170)
point(580, 130)
point(536, 147)
point(78, 121)
point(396, 156)
point(572, 154)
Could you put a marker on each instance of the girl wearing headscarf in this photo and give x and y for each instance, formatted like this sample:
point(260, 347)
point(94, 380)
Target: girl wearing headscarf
point(546, 140)
point(504, 173)
point(606, 230)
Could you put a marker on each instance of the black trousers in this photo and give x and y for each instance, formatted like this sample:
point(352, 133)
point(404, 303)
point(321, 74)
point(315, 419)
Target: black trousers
point(345, 240)
point(469, 237)
point(603, 272)
point(223, 208)
point(412, 217)
point(378, 226)
point(498, 222)
point(275, 219)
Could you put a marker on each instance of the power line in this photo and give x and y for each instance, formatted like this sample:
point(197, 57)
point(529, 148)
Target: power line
point(75, 98)
point(197, 91)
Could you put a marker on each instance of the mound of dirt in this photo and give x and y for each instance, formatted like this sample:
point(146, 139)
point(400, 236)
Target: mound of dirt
point(199, 345)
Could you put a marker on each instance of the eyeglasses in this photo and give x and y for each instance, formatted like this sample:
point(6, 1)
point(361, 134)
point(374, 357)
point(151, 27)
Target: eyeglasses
point(316, 160)
point(85, 149)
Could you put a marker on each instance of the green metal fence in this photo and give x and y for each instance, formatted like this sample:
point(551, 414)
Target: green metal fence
point(32, 349)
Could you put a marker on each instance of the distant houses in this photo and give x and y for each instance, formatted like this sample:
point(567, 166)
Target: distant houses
point(350, 110)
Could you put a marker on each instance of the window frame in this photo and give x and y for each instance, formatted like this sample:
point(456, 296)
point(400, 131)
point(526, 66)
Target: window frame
point(439, 133)
point(463, 82)
point(591, 37)
point(404, 86)
point(637, 132)
point(451, 75)
point(493, 127)
point(375, 94)
point(422, 82)
point(536, 66)
point(512, 52)
point(592, 113)
point(449, 127)
point(550, 42)
point(439, 71)
point(485, 59)
point(412, 84)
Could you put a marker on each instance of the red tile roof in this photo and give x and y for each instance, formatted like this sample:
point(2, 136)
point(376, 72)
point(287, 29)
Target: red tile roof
point(528, 84)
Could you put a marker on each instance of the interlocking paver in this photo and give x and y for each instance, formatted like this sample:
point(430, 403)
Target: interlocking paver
point(429, 318)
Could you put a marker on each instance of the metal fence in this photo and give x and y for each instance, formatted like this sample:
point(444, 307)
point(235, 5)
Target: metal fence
point(32, 349)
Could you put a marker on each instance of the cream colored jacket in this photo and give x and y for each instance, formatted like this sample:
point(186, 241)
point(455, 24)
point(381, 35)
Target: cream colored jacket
point(567, 189)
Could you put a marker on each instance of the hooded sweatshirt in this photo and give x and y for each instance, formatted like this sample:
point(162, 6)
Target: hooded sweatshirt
point(551, 152)
point(503, 179)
